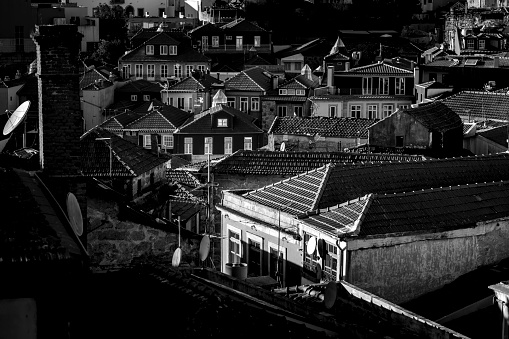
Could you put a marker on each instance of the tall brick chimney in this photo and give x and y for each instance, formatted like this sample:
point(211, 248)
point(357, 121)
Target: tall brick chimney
point(60, 115)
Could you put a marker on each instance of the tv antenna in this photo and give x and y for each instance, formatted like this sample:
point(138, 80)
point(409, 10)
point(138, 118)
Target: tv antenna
point(12, 122)
point(74, 214)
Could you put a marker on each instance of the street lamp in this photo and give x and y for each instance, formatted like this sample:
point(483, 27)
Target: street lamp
point(111, 156)
point(342, 244)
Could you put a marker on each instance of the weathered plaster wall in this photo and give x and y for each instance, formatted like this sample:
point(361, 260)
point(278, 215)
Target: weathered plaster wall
point(114, 242)
point(304, 143)
point(402, 271)
point(384, 132)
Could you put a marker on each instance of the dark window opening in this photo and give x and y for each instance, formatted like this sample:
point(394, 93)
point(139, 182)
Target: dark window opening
point(399, 141)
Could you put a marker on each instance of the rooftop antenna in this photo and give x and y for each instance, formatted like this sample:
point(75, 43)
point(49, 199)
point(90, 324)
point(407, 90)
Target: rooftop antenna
point(12, 122)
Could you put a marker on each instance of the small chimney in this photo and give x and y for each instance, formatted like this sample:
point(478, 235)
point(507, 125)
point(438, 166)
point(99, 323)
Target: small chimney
point(275, 82)
point(330, 76)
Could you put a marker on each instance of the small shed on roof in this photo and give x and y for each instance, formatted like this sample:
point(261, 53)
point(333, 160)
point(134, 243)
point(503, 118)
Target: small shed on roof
point(431, 126)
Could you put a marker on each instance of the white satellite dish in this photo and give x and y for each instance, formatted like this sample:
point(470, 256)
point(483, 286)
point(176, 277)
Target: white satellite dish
point(74, 214)
point(282, 147)
point(175, 261)
point(331, 293)
point(311, 245)
point(204, 247)
point(17, 116)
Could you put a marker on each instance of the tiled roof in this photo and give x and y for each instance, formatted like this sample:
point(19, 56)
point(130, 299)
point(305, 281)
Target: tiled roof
point(207, 27)
point(300, 82)
point(31, 230)
point(335, 184)
point(294, 163)
point(129, 159)
point(139, 86)
point(323, 126)
point(435, 116)
point(460, 61)
point(253, 79)
point(479, 105)
point(340, 97)
point(120, 121)
point(432, 84)
point(286, 98)
point(160, 118)
point(182, 177)
point(90, 77)
point(203, 124)
point(242, 25)
point(380, 68)
point(191, 84)
point(498, 135)
point(427, 210)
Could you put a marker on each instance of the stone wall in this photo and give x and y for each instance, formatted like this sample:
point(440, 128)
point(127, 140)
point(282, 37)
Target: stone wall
point(113, 242)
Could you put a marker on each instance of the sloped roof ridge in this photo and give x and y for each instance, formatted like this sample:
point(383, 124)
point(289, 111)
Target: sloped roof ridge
point(381, 63)
point(321, 189)
point(140, 118)
point(162, 115)
point(123, 162)
point(252, 68)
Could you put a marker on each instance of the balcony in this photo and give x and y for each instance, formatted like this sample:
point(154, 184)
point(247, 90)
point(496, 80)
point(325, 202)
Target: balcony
point(210, 49)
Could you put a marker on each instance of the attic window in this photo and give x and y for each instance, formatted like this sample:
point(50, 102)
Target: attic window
point(222, 122)
point(282, 92)
point(134, 97)
point(163, 50)
point(470, 44)
point(291, 92)
point(300, 92)
point(173, 50)
point(228, 37)
point(149, 49)
point(482, 44)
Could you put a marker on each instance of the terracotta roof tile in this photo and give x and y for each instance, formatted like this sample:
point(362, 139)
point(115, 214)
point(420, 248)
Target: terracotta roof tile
point(498, 135)
point(380, 68)
point(160, 118)
point(435, 116)
point(323, 126)
point(191, 84)
point(254, 79)
point(479, 105)
point(182, 177)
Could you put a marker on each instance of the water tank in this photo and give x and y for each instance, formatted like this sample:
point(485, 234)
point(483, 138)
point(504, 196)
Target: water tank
point(238, 271)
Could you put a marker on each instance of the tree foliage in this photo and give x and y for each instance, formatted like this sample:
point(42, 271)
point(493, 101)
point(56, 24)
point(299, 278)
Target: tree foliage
point(108, 52)
point(113, 22)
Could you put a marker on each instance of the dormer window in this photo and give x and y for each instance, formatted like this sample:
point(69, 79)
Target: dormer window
point(149, 49)
point(482, 44)
point(282, 91)
point(173, 50)
point(470, 44)
point(300, 92)
point(163, 50)
point(291, 92)
point(222, 122)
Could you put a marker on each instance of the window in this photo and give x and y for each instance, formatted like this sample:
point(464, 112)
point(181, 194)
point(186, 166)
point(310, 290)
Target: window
point(126, 71)
point(171, 101)
point(288, 66)
point(189, 70)
point(366, 86)
point(228, 143)
point(163, 50)
point(164, 71)
point(190, 103)
point(161, 12)
point(222, 122)
point(257, 41)
point(403, 106)
point(205, 42)
point(243, 104)
point(399, 141)
point(201, 68)
point(138, 69)
point(254, 255)
point(283, 91)
point(300, 92)
point(433, 77)
point(470, 44)
point(234, 245)
point(298, 66)
point(248, 143)
point(276, 262)
point(290, 91)
point(355, 111)
point(255, 104)
point(215, 41)
point(331, 261)
point(167, 141)
point(228, 37)
point(19, 38)
point(178, 71)
point(146, 141)
point(208, 145)
point(387, 110)
point(482, 44)
point(281, 111)
point(297, 110)
point(238, 42)
point(188, 145)
point(180, 103)
point(333, 111)
point(134, 97)
point(141, 12)
point(383, 86)
point(173, 49)
point(400, 86)
point(372, 112)
point(151, 72)
point(230, 102)
point(146, 97)
point(149, 49)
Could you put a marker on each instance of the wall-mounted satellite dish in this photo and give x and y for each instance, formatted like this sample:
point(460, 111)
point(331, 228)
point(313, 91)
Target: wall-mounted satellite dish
point(175, 261)
point(282, 147)
point(318, 272)
point(74, 214)
point(16, 118)
point(311, 245)
point(204, 247)
point(331, 292)
point(322, 248)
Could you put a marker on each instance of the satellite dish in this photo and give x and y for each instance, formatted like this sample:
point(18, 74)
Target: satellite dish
point(282, 147)
point(311, 245)
point(331, 293)
point(175, 261)
point(17, 116)
point(318, 272)
point(322, 248)
point(204, 247)
point(74, 214)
